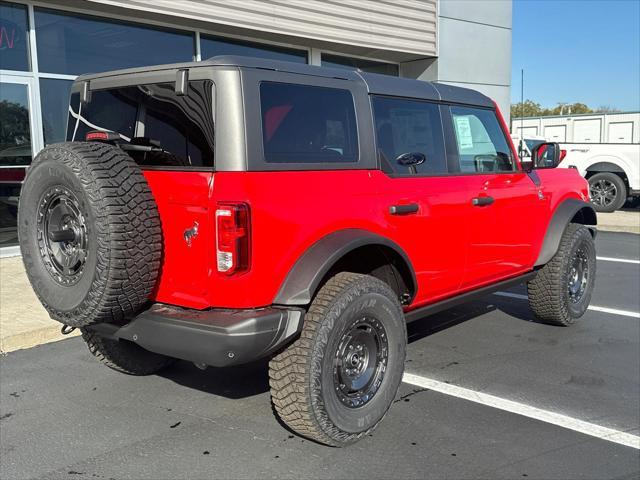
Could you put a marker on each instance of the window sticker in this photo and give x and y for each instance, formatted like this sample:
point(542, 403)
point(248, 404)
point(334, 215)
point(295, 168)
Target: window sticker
point(463, 129)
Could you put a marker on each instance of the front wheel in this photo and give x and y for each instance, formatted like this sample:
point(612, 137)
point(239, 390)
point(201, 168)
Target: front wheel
point(338, 380)
point(561, 291)
point(608, 191)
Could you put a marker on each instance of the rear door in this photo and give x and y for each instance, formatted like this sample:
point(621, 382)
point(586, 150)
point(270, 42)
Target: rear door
point(504, 205)
point(173, 138)
point(429, 219)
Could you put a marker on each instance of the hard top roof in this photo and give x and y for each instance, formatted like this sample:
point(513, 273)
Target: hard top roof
point(375, 83)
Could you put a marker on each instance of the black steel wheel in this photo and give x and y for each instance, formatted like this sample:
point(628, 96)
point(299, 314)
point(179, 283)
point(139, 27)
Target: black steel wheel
point(578, 278)
point(360, 361)
point(337, 381)
point(608, 191)
point(62, 234)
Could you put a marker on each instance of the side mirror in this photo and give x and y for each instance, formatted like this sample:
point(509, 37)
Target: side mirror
point(411, 159)
point(545, 155)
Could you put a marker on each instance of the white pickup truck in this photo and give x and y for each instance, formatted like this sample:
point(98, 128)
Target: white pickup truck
point(613, 171)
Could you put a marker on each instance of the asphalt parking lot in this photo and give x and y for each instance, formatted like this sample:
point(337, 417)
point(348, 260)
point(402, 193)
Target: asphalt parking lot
point(63, 415)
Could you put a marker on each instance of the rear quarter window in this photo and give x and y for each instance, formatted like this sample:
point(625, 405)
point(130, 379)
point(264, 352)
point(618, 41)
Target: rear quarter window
point(307, 124)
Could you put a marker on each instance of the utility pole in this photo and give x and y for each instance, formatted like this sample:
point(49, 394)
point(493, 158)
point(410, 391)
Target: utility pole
point(521, 146)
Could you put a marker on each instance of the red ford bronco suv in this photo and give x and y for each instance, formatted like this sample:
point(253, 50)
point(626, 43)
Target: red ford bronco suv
point(237, 208)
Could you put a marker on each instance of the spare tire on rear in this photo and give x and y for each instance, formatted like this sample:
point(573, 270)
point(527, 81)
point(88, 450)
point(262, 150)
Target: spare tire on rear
point(89, 233)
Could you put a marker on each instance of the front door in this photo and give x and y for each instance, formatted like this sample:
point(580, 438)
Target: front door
point(503, 202)
point(17, 136)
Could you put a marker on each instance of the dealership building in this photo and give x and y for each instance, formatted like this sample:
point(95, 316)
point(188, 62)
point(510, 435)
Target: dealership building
point(44, 45)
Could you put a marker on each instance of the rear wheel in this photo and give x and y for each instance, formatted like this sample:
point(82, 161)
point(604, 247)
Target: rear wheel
point(561, 291)
point(123, 356)
point(608, 191)
point(338, 380)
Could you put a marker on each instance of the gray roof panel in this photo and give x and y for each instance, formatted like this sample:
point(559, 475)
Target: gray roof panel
point(399, 87)
point(375, 83)
point(453, 94)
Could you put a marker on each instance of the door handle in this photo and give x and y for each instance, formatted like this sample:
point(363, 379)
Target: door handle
point(403, 209)
point(482, 201)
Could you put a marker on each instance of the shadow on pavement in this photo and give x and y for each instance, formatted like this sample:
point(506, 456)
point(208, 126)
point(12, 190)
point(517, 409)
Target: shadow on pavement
point(231, 382)
point(252, 379)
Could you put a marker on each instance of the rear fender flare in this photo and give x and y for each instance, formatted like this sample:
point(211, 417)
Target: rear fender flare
point(304, 278)
point(569, 210)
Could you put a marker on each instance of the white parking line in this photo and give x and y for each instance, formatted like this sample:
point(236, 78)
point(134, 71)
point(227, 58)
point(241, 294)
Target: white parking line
point(595, 308)
point(598, 431)
point(620, 260)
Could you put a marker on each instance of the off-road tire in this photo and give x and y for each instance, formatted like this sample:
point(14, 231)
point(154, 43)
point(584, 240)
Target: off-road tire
point(548, 292)
point(123, 356)
point(621, 191)
point(301, 394)
point(121, 228)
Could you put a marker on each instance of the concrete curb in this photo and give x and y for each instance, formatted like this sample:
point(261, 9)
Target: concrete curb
point(619, 229)
point(32, 338)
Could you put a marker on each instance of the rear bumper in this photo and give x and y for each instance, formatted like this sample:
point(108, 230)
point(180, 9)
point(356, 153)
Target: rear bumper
point(217, 338)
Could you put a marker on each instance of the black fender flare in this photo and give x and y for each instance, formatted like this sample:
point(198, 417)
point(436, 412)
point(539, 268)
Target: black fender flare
point(563, 215)
point(305, 276)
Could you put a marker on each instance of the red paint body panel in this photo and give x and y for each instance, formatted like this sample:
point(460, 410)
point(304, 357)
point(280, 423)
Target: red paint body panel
point(452, 246)
point(184, 198)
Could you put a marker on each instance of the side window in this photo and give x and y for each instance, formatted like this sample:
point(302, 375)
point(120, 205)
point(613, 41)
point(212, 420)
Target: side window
point(307, 124)
point(409, 126)
point(482, 145)
point(178, 128)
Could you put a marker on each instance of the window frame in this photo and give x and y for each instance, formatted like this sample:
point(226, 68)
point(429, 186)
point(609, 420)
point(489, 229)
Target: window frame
point(453, 143)
point(251, 80)
point(445, 143)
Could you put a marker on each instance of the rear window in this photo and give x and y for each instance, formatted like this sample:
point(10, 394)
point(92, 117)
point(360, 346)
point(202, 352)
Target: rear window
point(307, 124)
point(180, 128)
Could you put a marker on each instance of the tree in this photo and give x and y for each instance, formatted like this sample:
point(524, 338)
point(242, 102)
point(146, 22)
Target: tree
point(532, 109)
point(14, 124)
point(607, 109)
point(528, 109)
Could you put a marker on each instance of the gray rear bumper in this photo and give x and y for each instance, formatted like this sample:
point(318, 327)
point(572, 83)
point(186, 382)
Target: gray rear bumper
point(217, 338)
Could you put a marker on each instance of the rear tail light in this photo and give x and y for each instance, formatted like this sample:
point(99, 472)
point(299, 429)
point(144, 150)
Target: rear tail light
point(233, 237)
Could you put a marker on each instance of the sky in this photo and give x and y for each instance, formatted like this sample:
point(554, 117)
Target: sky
point(584, 51)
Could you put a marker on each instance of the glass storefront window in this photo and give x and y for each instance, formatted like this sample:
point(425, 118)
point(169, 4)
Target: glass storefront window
point(338, 61)
point(212, 46)
point(54, 101)
point(75, 44)
point(15, 154)
point(14, 37)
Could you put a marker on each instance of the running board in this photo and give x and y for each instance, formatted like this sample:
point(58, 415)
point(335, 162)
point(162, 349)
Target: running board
point(438, 307)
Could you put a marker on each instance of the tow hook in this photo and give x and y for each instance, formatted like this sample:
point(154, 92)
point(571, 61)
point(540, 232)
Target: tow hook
point(66, 329)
